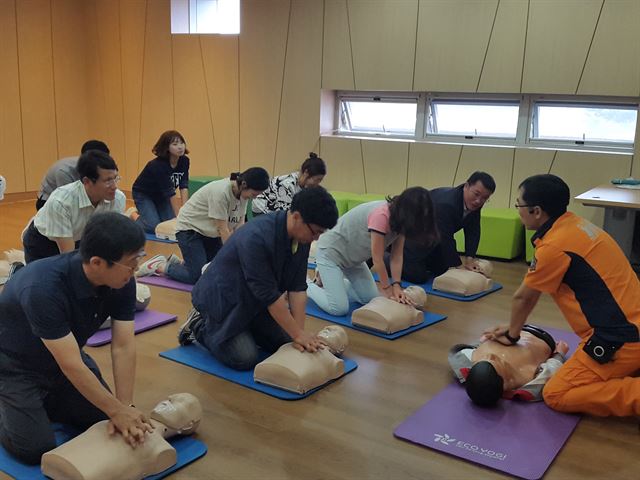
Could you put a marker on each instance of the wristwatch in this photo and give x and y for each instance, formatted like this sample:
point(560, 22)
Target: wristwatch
point(511, 339)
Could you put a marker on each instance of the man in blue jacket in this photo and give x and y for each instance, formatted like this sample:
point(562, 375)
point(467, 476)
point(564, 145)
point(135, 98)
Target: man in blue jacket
point(456, 208)
point(254, 292)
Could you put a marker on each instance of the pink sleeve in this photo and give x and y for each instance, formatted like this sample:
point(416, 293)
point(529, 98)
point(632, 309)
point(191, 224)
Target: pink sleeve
point(378, 219)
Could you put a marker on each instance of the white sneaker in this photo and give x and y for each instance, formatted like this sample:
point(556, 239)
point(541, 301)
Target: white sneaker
point(173, 258)
point(150, 267)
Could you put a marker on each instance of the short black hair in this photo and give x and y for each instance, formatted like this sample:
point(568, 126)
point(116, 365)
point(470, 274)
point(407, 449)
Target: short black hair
point(546, 191)
point(316, 206)
point(314, 165)
point(91, 160)
point(412, 214)
point(256, 178)
point(484, 178)
point(483, 384)
point(94, 145)
point(110, 235)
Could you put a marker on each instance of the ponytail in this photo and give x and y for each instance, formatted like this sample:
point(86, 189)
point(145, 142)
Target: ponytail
point(255, 178)
point(313, 165)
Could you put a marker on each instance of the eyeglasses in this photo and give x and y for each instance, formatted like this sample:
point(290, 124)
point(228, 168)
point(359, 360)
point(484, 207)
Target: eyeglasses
point(313, 233)
point(111, 182)
point(522, 206)
point(129, 267)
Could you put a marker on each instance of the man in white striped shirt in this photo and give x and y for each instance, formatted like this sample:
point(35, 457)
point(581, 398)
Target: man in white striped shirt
point(58, 225)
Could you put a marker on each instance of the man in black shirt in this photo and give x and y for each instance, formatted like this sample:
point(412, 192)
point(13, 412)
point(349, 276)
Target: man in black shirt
point(47, 312)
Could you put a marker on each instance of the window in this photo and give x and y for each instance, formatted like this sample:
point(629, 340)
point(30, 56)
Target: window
point(374, 115)
point(205, 16)
point(584, 123)
point(469, 118)
point(561, 122)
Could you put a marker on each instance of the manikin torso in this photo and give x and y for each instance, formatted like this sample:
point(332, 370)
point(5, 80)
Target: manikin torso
point(96, 455)
point(299, 372)
point(386, 315)
point(517, 364)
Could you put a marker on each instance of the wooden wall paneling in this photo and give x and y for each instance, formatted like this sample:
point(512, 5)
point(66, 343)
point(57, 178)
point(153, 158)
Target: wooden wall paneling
point(497, 162)
point(337, 60)
point(432, 165)
point(344, 164)
point(106, 108)
point(12, 166)
point(70, 53)
point(192, 109)
point(385, 164)
point(502, 70)
point(219, 56)
point(613, 64)
point(263, 43)
point(451, 43)
point(583, 171)
point(558, 39)
point(157, 112)
point(300, 105)
point(383, 36)
point(529, 162)
point(37, 99)
point(132, 45)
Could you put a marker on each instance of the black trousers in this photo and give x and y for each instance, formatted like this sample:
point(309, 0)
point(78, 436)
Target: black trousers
point(40, 203)
point(37, 246)
point(420, 263)
point(30, 400)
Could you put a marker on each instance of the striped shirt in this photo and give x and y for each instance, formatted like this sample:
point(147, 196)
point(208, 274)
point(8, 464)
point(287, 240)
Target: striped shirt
point(68, 210)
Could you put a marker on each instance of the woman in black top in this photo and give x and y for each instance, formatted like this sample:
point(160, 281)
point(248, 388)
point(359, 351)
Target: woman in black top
point(154, 191)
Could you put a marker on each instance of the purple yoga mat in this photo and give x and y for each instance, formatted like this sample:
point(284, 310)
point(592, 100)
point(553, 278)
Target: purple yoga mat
point(517, 438)
point(165, 282)
point(145, 320)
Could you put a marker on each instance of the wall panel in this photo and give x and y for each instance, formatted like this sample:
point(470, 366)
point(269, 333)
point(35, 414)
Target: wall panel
point(432, 165)
point(529, 162)
point(452, 40)
point(37, 98)
point(385, 166)
point(502, 70)
point(263, 43)
point(219, 56)
point(497, 162)
point(157, 109)
point(300, 108)
point(12, 163)
point(337, 61)
point(558, 39)
point(70, 75)
point(617, 31)
point(132, 43)
point(383, 36)
point(344, 164)
point(193, 111)
point(591, 174)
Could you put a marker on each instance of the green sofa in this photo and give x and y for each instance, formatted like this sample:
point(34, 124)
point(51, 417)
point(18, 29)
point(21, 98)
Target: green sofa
point(502, 234)
point(197, 182)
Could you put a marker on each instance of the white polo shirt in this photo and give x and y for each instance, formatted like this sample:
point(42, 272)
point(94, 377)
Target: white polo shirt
point(68, 210)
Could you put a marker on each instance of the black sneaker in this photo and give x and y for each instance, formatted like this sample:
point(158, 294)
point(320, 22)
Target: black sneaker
point(185, 335)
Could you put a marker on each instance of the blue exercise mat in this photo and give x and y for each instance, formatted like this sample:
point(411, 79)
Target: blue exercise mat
point(200, 359)
point(315, 311)
point(428, 287)
point(152, 238)
point(188, 449)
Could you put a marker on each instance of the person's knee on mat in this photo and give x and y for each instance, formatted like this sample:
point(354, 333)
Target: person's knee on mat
point(554, 396)
point(28, 451)
point(237, 361)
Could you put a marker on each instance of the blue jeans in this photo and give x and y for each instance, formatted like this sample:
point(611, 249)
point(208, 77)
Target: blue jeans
point(197, 250)
point(241, 352)
point(152, 212)
point(341, 286)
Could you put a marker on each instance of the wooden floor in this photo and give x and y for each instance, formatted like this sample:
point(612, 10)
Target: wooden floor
point(345, 430)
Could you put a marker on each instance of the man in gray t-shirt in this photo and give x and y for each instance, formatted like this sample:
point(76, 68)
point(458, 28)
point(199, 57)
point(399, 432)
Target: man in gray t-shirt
point(64, 172)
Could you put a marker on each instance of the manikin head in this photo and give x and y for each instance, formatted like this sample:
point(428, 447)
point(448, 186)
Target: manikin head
point(483, 384)
point(417, 295)
point(335, 338)
point(3, 186)
point(477, 190)
point(143, 297)
point(181, 412)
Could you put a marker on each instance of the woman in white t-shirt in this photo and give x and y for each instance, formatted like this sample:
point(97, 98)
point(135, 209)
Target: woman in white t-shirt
point(205, 223)
point(282, 188)
point(365, 232)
